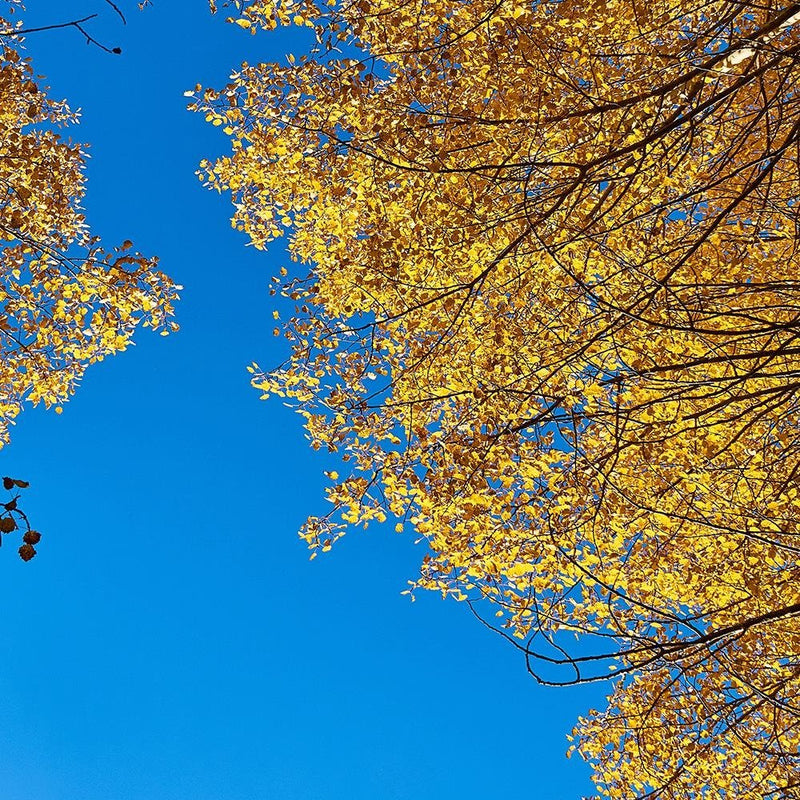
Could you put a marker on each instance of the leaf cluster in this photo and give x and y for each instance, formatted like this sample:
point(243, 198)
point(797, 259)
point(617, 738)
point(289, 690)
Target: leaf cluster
point(65, 301)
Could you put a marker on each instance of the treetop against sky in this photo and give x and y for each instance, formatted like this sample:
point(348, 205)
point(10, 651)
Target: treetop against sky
point(538, 306)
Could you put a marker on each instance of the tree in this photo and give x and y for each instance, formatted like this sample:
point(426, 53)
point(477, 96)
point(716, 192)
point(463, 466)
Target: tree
point(65, 301)
point(550, 317)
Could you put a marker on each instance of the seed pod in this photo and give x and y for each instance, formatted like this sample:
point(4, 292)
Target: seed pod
point(27, 552)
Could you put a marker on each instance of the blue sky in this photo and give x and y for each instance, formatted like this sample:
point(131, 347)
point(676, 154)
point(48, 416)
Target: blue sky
point(172, 641)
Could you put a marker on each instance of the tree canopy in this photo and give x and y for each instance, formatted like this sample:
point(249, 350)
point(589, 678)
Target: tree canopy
point(547, 308)
point(65, 300)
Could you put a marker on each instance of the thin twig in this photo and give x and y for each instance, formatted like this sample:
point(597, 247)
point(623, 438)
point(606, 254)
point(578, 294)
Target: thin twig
point(76, 23)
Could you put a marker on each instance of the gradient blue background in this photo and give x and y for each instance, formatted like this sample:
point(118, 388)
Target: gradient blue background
point(171, 640)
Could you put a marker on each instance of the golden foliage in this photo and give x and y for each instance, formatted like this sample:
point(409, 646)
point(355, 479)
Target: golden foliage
point(551, 320)
point(65, 301)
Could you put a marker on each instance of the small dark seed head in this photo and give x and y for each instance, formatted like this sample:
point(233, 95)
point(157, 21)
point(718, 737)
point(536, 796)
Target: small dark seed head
point(27, 552)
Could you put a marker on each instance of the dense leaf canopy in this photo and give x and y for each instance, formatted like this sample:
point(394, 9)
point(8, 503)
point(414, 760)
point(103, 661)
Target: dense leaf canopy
point(547, 308)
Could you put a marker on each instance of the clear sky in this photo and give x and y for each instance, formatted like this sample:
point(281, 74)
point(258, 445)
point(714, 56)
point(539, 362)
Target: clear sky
point(172, 641)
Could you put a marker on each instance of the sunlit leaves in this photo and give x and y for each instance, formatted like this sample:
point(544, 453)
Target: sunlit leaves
point(550, 320)
point(65, 301)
